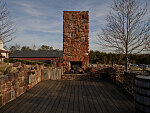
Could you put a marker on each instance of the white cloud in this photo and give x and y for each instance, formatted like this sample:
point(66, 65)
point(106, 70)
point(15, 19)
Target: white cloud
point(40, 28)
point(35, 17)
point(29, 8)
point(44, 16)
point(49, 31)
point(32, 12)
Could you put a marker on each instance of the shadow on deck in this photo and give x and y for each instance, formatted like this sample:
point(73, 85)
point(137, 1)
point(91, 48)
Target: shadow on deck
point(71, 97)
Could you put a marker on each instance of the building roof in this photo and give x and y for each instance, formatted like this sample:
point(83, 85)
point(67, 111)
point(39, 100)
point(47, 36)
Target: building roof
point(4, 51)
point(36, 54)
point(1, 56)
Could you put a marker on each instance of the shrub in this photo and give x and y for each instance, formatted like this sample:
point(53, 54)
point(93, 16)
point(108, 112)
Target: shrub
point(28, 62)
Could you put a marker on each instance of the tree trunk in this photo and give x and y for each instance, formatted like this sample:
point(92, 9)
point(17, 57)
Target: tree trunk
point(126, 63)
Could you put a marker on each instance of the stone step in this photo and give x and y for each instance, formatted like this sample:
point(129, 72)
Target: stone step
point(75, 76)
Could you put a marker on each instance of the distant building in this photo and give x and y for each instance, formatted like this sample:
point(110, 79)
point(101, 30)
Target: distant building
point(3, 52)
point(39, 56)
point(75, 39)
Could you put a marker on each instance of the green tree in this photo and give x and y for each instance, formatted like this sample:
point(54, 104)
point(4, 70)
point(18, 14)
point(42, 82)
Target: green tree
point(45, 47)
point(15, 47)
point(25, 48)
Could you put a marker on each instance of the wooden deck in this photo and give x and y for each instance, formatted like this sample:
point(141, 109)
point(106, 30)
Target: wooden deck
point(71, 97)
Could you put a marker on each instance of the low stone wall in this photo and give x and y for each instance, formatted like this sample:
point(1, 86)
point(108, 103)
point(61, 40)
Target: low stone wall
point(22, 78)
point(123, 79)
point(117, 75)
point(128, 82)
point(84, 76)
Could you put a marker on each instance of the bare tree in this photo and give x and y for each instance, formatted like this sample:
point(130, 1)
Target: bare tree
point(34, 47)
point(148, 45)
point(6, 25)
point(127, 29)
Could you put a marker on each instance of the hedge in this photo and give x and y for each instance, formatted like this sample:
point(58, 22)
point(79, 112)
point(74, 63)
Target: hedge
point(28, 62)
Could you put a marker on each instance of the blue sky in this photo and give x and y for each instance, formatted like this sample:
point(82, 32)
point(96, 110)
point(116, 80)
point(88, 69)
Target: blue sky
point(40, 22)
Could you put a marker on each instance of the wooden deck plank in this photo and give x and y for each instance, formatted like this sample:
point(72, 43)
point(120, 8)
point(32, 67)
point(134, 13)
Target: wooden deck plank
point(128, 102)
point(71, 97)
point(108, 98)
point(111, 99)
point(91, 100)
point(67, 99)
point(57, 100)
point(53, 97)
point(95, 99)
point(37, 98)
point(85, 98)
point(105, 102)
point(81, 101)
point(31, 100)
point(61, 103)
point(17, 103)
point(120, 100)
point(45, 100)
point(41, 103)
point(27, 102)
point(76, 97)
point(101, 104)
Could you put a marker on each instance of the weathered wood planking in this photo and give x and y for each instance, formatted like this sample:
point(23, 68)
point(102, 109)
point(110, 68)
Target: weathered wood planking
point(71, 97)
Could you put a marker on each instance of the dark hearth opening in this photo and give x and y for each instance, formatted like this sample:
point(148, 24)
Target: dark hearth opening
point(75, 65)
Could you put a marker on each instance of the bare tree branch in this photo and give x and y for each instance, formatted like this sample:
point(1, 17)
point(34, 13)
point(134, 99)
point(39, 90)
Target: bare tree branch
point(6, 25)
point(126, 29)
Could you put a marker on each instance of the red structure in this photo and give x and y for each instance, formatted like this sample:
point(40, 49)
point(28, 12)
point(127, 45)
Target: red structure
point(50, 57)
point(3, 54)
point(75, 39)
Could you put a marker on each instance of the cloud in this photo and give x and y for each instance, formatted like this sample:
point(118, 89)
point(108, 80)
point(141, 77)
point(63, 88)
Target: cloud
point(35, 17)
point(49, 31)
point(41, 21)
point(28, 8)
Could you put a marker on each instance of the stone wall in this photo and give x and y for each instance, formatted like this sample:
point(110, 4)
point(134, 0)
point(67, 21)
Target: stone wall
point(117, 75)
point(19, 78)
point(124, 80)
point(128, 83)
point(75, 38)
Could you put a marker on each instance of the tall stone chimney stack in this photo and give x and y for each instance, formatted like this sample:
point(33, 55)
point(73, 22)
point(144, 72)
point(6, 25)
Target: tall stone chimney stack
point(75, 39)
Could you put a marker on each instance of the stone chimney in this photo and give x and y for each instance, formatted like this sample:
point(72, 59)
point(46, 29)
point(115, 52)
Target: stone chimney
point(75, 39)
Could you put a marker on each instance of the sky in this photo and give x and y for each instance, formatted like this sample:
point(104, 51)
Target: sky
point(40, 22)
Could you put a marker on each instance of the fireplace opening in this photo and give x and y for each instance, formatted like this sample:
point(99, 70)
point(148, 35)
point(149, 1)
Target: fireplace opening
point(75, 64)
point(76, 67)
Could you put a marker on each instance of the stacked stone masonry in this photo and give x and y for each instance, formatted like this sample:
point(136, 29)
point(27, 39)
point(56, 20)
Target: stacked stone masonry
point(20, 78)
point(117, 75)
point(124, 80)
point(75, 38)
